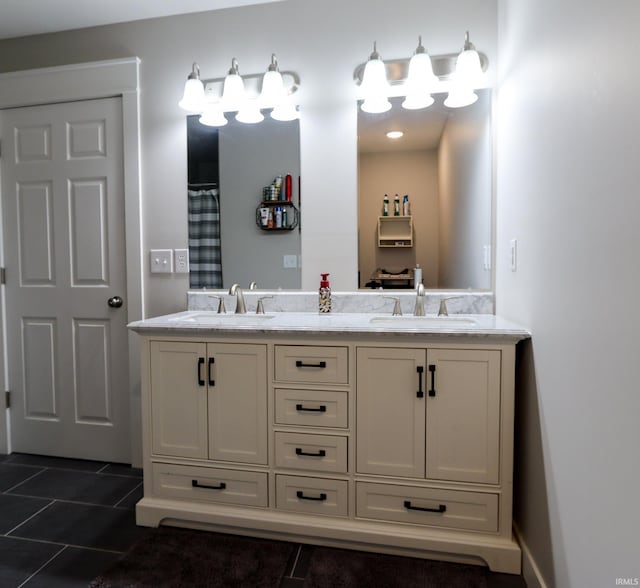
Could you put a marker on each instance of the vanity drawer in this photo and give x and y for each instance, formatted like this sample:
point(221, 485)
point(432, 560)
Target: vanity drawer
point(310, 364)
point(210, 484)
point(314, 408)
point(312, 495)
point(321, 453)
point(455, 509)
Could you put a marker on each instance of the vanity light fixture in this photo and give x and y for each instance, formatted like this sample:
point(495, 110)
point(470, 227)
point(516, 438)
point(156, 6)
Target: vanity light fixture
point(193, 96)
point(468, 75)
point(245, 95)
point(421, 80)
point(375, 87)
point(420, 77)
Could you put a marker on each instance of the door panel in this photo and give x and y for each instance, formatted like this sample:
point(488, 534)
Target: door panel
point(63, 211)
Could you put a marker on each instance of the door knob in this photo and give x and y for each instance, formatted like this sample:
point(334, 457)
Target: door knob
point(115, 302)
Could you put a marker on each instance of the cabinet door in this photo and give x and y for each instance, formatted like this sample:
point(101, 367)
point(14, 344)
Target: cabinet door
point(390, 414)
point(178, 399)
point(238, 402)
point(463, 418)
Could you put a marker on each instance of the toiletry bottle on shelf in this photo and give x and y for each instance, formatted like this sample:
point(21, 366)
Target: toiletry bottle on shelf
point(278, 217)
point(396, 206)
point(406, 210)
point(324, 295)
point(385, 206)
point(288, 187)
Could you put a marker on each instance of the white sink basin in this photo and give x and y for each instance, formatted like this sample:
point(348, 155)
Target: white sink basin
point(215, 318)
point(425, 321)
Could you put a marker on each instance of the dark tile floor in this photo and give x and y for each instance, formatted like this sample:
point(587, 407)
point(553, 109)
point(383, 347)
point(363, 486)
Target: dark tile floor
point(65, 521)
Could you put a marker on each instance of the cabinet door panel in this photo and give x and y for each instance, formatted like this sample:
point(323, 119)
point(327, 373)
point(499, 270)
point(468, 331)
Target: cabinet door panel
point(463, 418)
point(179, 401)
point(390, 415)
point(238, 403)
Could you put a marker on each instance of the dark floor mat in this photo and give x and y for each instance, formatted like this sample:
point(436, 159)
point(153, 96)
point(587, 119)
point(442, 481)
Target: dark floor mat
point(181, 558)
point(336, 568)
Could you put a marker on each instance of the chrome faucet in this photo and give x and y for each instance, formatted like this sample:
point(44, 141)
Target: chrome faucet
point(419, 307)
point(236, 291)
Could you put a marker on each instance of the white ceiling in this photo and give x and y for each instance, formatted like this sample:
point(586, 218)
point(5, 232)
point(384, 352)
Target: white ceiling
point(19, 18)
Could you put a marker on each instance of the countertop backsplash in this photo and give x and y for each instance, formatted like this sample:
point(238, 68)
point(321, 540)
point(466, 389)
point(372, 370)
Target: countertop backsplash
point(377, 301)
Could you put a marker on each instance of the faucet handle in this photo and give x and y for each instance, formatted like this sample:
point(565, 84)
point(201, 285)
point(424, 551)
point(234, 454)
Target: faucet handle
point(397, 310)
point(442, 311)
point(260, 306)
point(253, 286)
point(221, 308)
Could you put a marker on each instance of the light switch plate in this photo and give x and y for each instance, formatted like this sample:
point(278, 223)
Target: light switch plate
point(161, 261)
point(289, 261)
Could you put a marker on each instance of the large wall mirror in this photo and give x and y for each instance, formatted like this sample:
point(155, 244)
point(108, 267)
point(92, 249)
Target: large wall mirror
point(443, 163)
point(229, 167)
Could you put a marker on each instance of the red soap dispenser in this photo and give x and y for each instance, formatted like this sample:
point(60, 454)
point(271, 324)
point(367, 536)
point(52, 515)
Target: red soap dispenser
point(324, 294)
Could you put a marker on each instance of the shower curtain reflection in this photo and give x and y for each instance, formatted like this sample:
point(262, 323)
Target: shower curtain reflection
point(205, 259)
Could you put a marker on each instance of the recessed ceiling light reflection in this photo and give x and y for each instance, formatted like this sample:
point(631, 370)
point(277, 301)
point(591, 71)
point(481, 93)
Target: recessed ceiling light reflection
point(395, 134)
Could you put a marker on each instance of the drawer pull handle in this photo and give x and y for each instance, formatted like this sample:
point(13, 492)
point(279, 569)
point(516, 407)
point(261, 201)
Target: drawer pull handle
point(301, 496)
point(432, 369)
point(196, 484)
point(420, 392)
point(200, 378)
point(321, 408)
point(320, 364)
point(409, 506)
point(321, 453)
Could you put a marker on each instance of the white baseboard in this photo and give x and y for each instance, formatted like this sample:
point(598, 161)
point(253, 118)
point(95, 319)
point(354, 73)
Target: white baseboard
point(530, 570)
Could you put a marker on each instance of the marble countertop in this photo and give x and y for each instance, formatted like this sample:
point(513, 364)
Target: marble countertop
point(309, 323)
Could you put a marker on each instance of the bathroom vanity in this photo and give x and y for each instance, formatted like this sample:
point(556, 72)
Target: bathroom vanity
point(380, 433)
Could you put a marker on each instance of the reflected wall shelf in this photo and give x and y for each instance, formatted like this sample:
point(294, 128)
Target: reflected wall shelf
point(292, 215)
point(395, 231)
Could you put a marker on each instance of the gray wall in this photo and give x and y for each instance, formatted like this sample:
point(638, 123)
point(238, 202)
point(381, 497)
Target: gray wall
point(568, 179)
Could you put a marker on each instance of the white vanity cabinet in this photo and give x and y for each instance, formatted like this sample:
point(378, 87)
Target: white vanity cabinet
point(396, 443)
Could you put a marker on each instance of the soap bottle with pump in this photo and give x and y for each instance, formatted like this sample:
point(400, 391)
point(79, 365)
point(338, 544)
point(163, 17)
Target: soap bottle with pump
point(324, 295)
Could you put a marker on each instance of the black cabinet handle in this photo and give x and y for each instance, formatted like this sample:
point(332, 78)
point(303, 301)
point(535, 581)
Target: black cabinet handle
point(420, 392)
point(320, 364)
point(196, 484)
point(301, 496)
point(432, 369)
point(321, 453)
point(200, 364)
point(212, 382)
point(321, 408)
point(409, 506)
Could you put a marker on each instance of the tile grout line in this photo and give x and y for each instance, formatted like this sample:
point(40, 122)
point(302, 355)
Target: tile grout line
point(127, 495)
point(29, 517)
point(45, 564)
point(25, 480)
point(295, 562)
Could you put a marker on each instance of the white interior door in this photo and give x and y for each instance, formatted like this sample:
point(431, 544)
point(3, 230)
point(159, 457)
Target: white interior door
point(63, 211)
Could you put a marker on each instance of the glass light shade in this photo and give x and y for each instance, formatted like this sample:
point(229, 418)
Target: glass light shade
point(273, 90)
point(285, 111)
point(420, 82)
point(375, 105)
point(374, 78)
point(233, 92)
point(193, 96)
point(213, 117)
point(249, 113)
point(468, 68)
point(459, 96)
